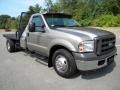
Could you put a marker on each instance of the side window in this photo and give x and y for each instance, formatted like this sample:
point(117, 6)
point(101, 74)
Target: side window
point(38, 23)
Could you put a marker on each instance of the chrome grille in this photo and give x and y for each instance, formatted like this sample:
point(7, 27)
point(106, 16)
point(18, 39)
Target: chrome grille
point(105, 44)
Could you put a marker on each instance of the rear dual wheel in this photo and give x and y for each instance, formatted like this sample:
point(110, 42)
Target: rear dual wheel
point(10, 46)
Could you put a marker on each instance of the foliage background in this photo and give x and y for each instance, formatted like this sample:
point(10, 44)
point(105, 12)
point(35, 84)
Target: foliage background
point(102, 13)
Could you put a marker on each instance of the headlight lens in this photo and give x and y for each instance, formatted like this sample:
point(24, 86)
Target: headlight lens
point(86, 46)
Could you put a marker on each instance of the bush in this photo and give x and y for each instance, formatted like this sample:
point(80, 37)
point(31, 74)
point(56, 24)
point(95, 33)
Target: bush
point(85, 22)
point(107, 21)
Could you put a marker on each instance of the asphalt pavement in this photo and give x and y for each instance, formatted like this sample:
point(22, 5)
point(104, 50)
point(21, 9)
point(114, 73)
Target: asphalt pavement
point(25, 71)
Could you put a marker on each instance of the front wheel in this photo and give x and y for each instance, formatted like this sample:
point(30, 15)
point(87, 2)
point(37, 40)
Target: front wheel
point(64, 63)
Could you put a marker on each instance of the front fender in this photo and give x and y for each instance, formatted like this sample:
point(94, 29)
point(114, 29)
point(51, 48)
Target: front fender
point(64, 43)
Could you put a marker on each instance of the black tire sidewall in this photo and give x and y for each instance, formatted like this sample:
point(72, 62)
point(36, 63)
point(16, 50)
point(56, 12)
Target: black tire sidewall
point(12, 46)
point(71, 63)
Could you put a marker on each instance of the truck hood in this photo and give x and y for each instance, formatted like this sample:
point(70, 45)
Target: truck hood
point(86, 33)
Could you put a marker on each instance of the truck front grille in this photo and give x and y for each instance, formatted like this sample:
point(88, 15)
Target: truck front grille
point(105, 44)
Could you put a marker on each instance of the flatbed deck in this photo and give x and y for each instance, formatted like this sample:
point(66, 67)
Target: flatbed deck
point(11, 36)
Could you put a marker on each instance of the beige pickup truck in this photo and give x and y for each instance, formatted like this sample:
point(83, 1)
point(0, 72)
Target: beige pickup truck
point(67, 46)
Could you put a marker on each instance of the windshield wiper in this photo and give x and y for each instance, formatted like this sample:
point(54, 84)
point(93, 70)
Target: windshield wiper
point(74, 26)
point(56, 26)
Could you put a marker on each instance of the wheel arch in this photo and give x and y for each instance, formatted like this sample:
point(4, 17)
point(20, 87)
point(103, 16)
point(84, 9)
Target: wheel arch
point(53, 49)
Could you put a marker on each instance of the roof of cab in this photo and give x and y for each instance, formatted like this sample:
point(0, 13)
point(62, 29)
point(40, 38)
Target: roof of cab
point(48, 14)
point(55, 13)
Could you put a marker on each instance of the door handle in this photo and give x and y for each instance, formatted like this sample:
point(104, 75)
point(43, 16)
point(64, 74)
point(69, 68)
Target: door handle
point(28, 34)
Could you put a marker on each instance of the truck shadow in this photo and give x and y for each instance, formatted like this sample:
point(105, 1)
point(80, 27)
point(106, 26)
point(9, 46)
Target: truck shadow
point(96, 73)
point(38, 58)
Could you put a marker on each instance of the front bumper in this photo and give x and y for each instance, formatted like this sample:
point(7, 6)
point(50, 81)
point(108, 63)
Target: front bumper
point(90, 61)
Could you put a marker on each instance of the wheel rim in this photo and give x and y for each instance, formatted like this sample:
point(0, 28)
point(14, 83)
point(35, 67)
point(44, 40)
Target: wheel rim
point(61, 64)
point(8, 46)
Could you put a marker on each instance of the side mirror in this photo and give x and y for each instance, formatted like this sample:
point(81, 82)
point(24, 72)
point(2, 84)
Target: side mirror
point(32, 27)
point(42, 28)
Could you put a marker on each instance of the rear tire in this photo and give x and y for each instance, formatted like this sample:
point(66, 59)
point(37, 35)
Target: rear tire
point(64, 63)
point(10, 46)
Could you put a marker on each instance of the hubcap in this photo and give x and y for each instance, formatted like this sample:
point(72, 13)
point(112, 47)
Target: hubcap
point(8, 46)
point(61, 63)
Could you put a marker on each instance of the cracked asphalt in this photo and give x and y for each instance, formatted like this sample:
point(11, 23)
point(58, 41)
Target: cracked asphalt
point(25, 71)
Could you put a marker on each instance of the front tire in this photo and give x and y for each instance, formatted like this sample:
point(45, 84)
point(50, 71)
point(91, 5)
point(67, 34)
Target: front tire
point(64, 63)
point(10, 46)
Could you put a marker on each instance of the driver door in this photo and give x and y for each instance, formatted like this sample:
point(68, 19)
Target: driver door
point(33, 38)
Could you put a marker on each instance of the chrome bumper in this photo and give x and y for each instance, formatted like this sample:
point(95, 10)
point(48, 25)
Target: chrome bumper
point(93, 62)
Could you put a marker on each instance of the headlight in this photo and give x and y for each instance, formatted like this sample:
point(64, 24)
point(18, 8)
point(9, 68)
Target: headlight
point(86, 46)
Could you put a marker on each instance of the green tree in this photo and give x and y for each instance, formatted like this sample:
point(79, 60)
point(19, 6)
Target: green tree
point(3, 21)
point(32, 10)
point(52, 7)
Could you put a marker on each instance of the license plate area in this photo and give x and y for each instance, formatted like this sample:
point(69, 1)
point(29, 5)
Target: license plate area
point(110, 59)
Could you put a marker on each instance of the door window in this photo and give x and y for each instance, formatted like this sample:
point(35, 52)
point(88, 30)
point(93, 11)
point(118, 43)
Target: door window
point(38, 23)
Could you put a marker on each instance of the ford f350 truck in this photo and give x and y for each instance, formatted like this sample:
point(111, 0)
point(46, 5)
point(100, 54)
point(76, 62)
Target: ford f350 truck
point(67, 46)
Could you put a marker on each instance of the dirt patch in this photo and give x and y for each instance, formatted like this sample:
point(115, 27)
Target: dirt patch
point(3, 30)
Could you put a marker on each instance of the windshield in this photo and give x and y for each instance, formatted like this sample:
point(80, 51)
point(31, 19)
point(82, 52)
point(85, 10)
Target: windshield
point(60, 21)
